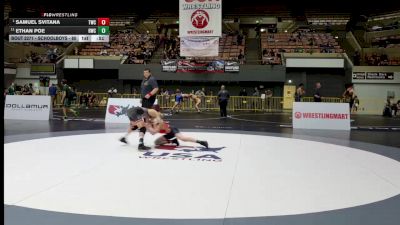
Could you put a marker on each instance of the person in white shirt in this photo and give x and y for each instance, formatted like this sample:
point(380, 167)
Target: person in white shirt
point(112, 91)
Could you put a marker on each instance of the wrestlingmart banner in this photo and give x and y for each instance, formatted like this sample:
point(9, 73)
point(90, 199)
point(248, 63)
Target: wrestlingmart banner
point(199, 46)
point(200, 18)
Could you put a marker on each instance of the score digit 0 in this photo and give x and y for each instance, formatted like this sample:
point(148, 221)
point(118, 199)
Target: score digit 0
point(103, 21)
point(103, 30)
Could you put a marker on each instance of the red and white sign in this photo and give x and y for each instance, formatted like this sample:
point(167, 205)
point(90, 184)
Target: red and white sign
point(118, 107)
point(199, 46)
point(324, 116)
point(199, 18)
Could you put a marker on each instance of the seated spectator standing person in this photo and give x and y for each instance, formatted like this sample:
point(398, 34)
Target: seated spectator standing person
point(53, 94)
point(66, 99)
point(265, 52)
point(356, 104)
point(387, 111)
point(92, 99)
point(84, 99)
point(112, 92)
point(74, 96)
point(26, 91)
point(397, 107)
point(349, 95)
point(31, 89)
point(11, 89)
point(268, 96)
point(317, 92)
point(241, 57)
point(299, 93)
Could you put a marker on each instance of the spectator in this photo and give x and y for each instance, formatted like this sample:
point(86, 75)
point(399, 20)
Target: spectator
point(357, 58)
point(256, 93)
point(31, 89)
point(265, 52)
point(349, 95)
point(112, 92)
point(65, 99)
point(202, 95)
point(356, 104)
point(84, 100)
point(11, 89)
point(25, 90)
point(268, 97)
point(241, 57)
point(92, 99)
point(53, 94)
point(76, 51)
point(397, 108)
point(387, 111)
point(299, 93)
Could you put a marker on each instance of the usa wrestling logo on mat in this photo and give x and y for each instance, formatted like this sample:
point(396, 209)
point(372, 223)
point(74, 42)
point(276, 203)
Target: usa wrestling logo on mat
point(187, 153)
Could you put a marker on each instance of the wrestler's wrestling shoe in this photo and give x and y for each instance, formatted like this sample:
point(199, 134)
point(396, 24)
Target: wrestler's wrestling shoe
point(175, 141)
point(123, 140)
point(204, 143)
point(142, 147)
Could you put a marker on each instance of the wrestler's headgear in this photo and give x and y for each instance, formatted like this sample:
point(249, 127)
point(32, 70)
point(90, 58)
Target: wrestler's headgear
point(135, 113)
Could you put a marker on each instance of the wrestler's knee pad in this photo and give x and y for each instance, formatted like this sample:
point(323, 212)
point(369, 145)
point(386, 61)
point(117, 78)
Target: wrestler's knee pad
point(160, 141)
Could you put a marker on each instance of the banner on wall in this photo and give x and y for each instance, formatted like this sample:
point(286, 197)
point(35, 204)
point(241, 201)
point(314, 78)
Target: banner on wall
point(28, 107)
point(232, 66)
point(199, 46)
point(380, 76)
point(216, 66)
point(373, 76)
point(358, 75)
point(200, 18)
point(168, 65)
point(324, 116)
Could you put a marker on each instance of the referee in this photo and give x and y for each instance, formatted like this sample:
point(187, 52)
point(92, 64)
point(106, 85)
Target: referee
point(148, 89)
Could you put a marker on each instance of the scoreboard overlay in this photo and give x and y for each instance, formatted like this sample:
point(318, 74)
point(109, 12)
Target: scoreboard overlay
point(59, 30)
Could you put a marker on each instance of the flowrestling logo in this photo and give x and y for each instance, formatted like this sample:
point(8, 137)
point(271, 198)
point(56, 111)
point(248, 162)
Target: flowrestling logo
point(185, 153)
point(118, 110)
point(29, 107)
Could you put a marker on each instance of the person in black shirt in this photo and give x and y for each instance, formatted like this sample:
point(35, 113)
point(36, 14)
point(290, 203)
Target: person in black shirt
point(299, 93)
point(149, 89)
point(317, 92)
point(223, 97)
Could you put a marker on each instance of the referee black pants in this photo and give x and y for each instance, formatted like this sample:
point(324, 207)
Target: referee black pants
point(148, 103)
point(222, 107)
